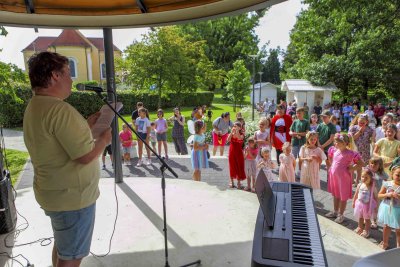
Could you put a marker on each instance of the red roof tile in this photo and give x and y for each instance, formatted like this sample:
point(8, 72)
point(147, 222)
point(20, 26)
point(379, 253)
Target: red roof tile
point(40, 44)
point(71, 38)
point(66, 38)
point(99, 43)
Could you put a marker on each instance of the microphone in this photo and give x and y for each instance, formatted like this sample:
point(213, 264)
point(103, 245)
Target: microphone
point(85, 87)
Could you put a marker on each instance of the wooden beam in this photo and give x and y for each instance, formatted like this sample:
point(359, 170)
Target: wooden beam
point(29, 6)
point(141, 6)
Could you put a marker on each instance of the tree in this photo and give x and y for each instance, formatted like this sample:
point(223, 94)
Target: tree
point(10, 74)
point(272, 67)
point(228, 38)
point(3, 31)
point(355, 44)
point(238, 83)
point(166, 61)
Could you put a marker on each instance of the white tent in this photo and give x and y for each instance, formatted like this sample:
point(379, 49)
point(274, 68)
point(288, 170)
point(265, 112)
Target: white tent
point(268, 90)
point(302, 91)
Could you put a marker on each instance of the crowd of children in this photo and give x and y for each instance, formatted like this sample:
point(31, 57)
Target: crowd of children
point(347, 156)
point(308, 142)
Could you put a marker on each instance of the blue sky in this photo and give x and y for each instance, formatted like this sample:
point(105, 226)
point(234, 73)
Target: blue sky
point(274, 28)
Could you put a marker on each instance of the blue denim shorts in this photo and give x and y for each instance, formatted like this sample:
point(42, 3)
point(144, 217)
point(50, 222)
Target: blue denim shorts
point(161, 136)
point(143, 135)
point(126, 150)
point(73, 231)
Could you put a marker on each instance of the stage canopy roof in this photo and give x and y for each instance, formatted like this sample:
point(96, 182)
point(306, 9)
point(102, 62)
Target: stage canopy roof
point(119, 13)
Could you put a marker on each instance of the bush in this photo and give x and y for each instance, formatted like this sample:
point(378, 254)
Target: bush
point(14, 101)
point(13, 104)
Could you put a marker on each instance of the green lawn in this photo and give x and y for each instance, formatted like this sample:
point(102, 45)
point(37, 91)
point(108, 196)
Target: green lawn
point(218, 107)
point(218, 99)
point(16, 161)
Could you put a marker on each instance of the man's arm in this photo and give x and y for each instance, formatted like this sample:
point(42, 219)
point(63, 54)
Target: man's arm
point(99, 145)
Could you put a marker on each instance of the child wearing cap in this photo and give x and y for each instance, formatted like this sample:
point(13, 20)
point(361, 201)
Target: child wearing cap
point(326, 133)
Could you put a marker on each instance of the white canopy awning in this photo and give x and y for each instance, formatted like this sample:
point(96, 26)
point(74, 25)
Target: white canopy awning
point(304, 85)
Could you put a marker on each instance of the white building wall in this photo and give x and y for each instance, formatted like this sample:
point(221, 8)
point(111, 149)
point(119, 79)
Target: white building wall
point(266, 92)
point(310, 101)
point(327, 97)
point(289, 96)
point(300, 98)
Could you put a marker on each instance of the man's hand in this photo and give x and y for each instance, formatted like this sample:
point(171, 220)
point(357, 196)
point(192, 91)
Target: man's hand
point(106, 136)
point(92, 119)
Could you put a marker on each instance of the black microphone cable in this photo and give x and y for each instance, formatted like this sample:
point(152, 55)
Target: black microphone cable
point(116, 200)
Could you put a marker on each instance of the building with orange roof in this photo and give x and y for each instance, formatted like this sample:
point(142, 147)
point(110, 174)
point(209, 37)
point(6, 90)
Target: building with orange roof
point(85, 54)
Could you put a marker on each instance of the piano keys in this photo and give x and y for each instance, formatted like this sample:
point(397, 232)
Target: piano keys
point(287, 231)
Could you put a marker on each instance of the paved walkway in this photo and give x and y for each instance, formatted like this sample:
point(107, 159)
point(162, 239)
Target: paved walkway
point(216, 175)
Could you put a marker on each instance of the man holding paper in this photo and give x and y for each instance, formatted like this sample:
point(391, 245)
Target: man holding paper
point(64, 156)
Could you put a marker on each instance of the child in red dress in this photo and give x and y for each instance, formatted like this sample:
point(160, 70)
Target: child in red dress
point(236, 158)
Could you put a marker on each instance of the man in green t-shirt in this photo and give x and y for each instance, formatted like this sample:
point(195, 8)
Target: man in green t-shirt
point(326, 133)
point(64, 157)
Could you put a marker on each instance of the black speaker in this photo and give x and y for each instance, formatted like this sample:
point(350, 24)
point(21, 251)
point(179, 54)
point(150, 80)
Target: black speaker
point(8, 215)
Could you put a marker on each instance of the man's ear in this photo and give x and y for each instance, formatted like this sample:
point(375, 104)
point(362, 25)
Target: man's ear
point(55, 76)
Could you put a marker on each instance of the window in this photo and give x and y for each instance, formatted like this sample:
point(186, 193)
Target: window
point(103, 70)
point(72, 68)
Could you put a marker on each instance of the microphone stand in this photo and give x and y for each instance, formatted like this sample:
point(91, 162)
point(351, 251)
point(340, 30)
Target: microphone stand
point(164, 166)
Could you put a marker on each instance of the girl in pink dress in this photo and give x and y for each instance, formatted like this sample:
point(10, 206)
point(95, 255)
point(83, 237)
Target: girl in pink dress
point(364, 202)
point(310, 158)
point(262, 136)
point(288, 164)
point(250, 164)
point(344, 162)
point(265, 164)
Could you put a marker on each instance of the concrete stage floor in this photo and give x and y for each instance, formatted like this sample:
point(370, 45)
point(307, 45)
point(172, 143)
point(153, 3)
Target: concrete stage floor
point(204, 223)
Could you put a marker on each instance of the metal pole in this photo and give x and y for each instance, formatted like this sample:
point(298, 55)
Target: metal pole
point(254, 75)
point(111, 88)
point(259, 95)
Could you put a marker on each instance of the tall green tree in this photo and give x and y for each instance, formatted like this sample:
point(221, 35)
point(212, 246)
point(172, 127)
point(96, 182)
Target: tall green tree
point(355, 44)
point(272, 67)
point(228, 38)
point(167, 61)
point(238, 83)
point(3, 31)
point(10, 74)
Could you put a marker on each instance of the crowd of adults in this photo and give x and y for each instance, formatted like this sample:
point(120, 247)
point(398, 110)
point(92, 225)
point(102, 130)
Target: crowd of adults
point(344, 111)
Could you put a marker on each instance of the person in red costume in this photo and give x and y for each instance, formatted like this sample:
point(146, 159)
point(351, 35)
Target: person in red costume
point(280, 127)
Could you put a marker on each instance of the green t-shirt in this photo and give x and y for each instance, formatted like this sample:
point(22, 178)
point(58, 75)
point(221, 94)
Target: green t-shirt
point(56, 135)
point(299, 126)
point(324, 133)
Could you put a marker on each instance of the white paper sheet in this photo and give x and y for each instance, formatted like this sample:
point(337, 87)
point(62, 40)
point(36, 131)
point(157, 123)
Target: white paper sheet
point(105, 119)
